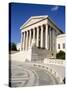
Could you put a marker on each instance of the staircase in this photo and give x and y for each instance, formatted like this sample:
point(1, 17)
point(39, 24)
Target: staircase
point(39, 54)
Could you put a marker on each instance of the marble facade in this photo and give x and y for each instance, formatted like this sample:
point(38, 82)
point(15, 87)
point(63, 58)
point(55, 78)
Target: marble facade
point(42, 30)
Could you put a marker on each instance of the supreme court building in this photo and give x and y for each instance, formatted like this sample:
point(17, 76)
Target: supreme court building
point(41, 31)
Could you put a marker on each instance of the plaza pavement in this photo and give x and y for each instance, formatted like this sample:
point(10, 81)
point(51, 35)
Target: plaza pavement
point(25, 74)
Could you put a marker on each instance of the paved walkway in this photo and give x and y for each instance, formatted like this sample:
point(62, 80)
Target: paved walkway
point(57, 68)
point(27, 75)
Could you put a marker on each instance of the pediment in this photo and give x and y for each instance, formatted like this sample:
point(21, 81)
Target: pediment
point(32, 20)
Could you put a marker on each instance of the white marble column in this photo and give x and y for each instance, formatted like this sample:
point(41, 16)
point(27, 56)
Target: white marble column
point(26, 40)
point(34, 34)
point(29, 38)
point(53, 40)
point(41, 44)
point(46, 37)
point(23, 40)
point(37, 37)
point(50, 38)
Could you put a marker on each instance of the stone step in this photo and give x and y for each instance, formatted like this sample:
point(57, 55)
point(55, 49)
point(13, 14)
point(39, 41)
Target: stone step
point(39, 54)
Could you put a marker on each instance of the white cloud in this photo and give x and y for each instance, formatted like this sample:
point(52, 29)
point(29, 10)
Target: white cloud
point(55, 8)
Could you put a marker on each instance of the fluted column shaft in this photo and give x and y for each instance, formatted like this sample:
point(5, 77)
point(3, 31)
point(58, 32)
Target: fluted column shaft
point(26, 40)
point(33, 34)
point(23, 40)
point(53, 39)
point(29, 38)
point(41, 44)
point(46, 37)
point(50, 38)
point(37, 37)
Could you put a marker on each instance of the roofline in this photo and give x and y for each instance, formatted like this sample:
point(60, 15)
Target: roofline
point(55, 24)
point(34, 23)
point(33, 17)
point(47, 17)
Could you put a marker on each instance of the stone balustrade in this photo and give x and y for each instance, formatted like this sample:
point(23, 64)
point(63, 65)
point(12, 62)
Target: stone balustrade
point(51, 71)
point(55, 61)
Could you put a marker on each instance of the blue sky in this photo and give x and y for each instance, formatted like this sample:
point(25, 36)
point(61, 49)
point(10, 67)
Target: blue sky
point(21, 12)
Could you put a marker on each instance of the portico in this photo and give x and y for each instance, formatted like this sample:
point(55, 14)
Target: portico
point(40, 35)
point(42, 31)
